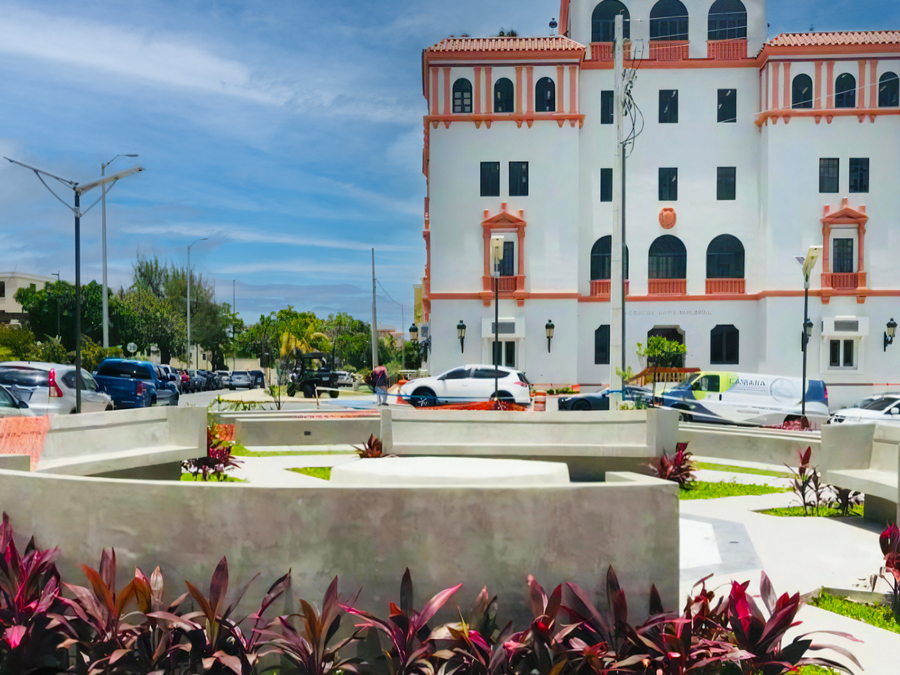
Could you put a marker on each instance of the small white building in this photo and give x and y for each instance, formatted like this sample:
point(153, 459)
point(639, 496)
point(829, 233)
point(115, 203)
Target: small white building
point(750, 151)
point(10, 282)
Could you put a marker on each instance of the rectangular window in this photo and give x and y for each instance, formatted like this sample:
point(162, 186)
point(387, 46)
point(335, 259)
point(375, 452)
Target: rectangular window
point(829, 175)
point(606, 185)
point(842, 354)
point(2, 289)
point(859, 174)
point(668, 106)
point(843, 256)
point(726, 183)
point(727, 113)
point(601, 346)
point(508, 263)
point(490, 179)
point(504, 354)
point(724, 346)
point(518, 179)
point(668, 185)
point(607, 107)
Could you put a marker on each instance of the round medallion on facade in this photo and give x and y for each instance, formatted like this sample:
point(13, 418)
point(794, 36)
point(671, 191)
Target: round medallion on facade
point(667, 218)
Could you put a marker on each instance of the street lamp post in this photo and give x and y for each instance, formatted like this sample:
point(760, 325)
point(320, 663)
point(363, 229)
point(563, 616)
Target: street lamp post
point(103, 237)
point(809, 263)
point(78, 189)
point(496, 257)
point(189, 275)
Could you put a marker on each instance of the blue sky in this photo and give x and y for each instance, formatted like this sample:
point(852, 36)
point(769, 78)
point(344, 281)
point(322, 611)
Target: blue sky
point(288, 132)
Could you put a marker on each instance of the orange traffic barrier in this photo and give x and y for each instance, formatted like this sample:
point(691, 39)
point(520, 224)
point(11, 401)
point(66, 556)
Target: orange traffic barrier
point(540, 401)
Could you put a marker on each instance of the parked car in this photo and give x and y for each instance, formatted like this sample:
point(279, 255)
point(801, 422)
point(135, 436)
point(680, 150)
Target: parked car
point(49, 388)
point(313, 374)
point(884, 409)
point(134, 384)
point(257, 379)
point(223, 378)
point(240, 379)
point(467, 384)
point(600, 400)
point(197, 381)
point(173, 376)
point(10, 406)
point(168, 382)
point(747, 398)
point(344, 379)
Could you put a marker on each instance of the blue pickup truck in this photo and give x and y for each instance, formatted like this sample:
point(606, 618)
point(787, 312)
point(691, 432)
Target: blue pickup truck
point(135, 384)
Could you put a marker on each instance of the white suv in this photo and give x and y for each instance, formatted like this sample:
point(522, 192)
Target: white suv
point(883, 409)
point(467, 384)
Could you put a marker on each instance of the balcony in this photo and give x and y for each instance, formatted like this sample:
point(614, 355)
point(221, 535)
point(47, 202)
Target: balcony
point(604, 51)
point(726, 286)
point(724, 50)
point(507, 284)
point(667, 287)
point(601, 288)
point(669, 50)
point(845, 281)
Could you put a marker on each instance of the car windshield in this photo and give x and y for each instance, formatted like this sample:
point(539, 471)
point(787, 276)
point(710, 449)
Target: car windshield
point(25, 377)
point(879, 404)
point(241, 373)
point(688, 381)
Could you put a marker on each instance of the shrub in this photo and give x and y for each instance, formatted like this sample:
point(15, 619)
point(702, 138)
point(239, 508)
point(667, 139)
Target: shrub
point(890, 548)
point(679, 468)
point(218, 456)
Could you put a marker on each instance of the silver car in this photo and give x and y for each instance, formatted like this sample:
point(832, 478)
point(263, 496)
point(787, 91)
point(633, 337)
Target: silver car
point(49, 388)
point(10, 406)
point(240, 379)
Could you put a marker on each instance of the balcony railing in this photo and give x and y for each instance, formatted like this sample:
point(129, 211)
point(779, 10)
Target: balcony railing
point(604, 51)
point(726, 49)
point(507, 284)
point(844, 281)
point(667, 287)
point(726, 286)
point(669, 50)
point(600, 288)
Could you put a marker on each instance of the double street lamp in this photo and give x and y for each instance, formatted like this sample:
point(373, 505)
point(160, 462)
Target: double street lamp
point(809, 263)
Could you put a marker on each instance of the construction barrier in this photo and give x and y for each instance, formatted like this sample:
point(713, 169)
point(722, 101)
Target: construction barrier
point(540, 401)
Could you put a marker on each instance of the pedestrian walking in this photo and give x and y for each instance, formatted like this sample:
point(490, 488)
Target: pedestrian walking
point(381, 381)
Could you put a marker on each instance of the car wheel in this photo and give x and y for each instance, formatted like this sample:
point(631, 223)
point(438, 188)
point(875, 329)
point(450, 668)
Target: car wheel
point(309, 391)
point(152, 402)
point(334, 394)
point(424, 398)
point(684, 415)
point(581, 405)
point(109, 408)
point(504, 397)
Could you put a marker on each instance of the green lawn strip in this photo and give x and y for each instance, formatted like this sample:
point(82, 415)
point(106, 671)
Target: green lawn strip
point(824, 512)
point(323, 472)
point(707, 466)
point(879, 616)
point(241, 451)
point(190, 478)
point(816, 670)
point(702, 490)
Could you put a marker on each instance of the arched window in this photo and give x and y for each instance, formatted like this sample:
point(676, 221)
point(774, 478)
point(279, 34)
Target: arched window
point(724, 346)
point(727, 20)
point(601, 259)
point(725, 258)
point(504, 101)
point(845, 91)
point(545, 95)
point(603, 21)
point(669, 21)
point(889, 91)
point(668, 258)
point(462, 96)
point(802, 92)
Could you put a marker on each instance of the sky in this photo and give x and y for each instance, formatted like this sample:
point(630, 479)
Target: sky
point(286, 132)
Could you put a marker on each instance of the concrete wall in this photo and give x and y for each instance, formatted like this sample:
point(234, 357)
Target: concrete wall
point(366, 536)
point(268, 430)
point(591, 443)
point(128, 439)
point(752, 445)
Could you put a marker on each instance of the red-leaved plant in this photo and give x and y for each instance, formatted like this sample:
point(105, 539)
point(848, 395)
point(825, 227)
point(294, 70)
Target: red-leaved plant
point(218, 458)
point(890, 547)
point(679, 468)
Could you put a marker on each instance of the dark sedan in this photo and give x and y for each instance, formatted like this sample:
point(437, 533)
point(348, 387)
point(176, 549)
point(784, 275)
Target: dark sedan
point(600, 400)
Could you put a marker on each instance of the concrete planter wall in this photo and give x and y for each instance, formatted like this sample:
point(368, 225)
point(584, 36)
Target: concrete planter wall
point(767, 446)
point(366, 536)
point(266, 429)
point(591, 443)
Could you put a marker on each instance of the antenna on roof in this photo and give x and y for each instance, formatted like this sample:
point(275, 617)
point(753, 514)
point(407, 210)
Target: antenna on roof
point(553, 25)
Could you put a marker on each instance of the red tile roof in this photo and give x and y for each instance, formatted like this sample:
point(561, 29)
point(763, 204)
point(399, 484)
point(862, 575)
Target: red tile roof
point(880, 37)
point(555, 43)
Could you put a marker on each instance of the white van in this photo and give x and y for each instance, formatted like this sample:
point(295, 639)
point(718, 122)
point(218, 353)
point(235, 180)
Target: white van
point(747, 398)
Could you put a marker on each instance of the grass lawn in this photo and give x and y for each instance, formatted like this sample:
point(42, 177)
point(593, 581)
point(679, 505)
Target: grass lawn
point(879, 616)
point(323, 472)
point(824, 512)
point(701, 490)
point(708, 466)
point(187, 477)
point(241, 451)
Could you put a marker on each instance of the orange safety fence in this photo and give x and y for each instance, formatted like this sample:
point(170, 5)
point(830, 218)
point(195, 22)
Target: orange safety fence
point(484, 405)
point(24, 436)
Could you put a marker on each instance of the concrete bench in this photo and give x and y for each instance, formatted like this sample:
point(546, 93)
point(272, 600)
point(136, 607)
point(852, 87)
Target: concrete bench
point(865, 458)
point(146, 443)
point(265, 430)
point(590, 443)
point(765, 446)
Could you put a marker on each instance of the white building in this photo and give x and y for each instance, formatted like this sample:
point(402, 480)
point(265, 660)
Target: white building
point(10, 282)
point(751, 151)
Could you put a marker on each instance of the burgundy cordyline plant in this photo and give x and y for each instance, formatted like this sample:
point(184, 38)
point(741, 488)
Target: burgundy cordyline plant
point(890, 547)
point(679, 468)
point(218, 457)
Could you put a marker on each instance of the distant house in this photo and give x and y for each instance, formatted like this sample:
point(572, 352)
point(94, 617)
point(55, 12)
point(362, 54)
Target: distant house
point(10, 282)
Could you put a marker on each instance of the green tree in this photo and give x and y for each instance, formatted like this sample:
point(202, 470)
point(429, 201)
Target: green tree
point(16, 343)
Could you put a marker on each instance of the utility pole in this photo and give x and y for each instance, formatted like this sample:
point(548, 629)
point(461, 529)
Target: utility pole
point(189, 275)
point(233, 316)
point(374, 318)
point(103, 236)
point(79, 384)
point(617, 281)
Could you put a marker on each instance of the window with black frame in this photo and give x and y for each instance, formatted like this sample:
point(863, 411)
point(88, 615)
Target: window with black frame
point(508, 262)
point(727, 109)
point(490, 179)
point(606, 185)
point(859, 174)
point(842, 250)
point(518, 179)
point(845, 91)
point(726, 183)
point(504, 99)
point(668, 184)
point(725, 258)
point(802, 92)
point(601, 346)
point(724, 346)
point(889, 91)
point(601, 259)
point(829, 175)
point(668, 258)
point(607, 109)
point(545, 95)
point(669, 21)
point(462, 97)
point(603, 21)
point(668, 106)
point(727, 20)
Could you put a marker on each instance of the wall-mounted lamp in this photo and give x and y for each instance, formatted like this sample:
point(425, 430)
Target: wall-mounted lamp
point(890, 334)
point(461, 334)
point(414, 333)
point(549, 328)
